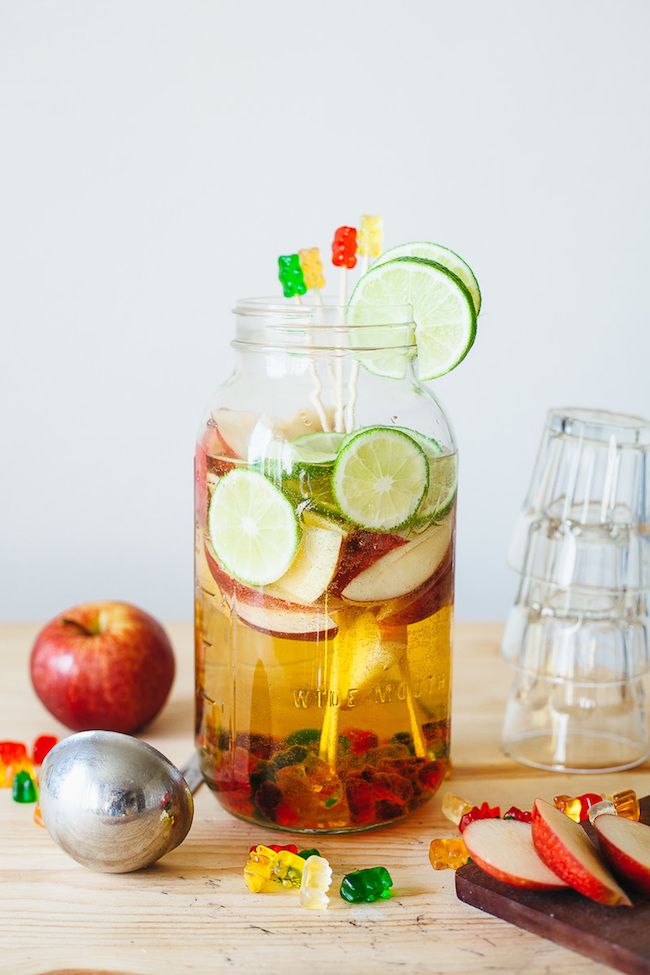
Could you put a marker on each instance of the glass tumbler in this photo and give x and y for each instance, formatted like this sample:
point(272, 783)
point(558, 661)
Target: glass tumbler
point(577, 635)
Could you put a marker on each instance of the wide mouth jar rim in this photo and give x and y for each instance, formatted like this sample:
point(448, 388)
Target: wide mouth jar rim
point(322, 325)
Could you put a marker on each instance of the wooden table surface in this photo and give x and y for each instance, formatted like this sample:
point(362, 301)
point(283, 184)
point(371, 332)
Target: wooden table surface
point(192, 911)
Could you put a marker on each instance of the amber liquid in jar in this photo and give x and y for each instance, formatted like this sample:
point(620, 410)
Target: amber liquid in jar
point(334, 716)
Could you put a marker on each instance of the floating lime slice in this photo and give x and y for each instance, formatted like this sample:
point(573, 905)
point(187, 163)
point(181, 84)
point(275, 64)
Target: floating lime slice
point(442, 479)
point(253, 528)
point(440, 255)
point(316, 448)
point(442, 309)
point(380, 478)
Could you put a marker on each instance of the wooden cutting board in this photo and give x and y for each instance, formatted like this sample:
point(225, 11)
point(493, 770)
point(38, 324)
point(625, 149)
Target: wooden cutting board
point(616, 936)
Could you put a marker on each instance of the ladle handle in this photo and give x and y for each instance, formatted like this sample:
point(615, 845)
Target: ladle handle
point(192, 774)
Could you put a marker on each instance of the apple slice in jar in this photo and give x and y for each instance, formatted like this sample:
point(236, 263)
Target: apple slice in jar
point(249, 434)
point(402, 570)
point(270, 614)
point(315, 564)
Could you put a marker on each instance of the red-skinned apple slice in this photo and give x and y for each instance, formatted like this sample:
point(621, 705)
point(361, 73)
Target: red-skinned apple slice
point(504, 849)
point(315, 563)
point(269, 614)
point(435, 593)
point(402, 570)
point(566, 849)
point(360, 551)
point(626, 847)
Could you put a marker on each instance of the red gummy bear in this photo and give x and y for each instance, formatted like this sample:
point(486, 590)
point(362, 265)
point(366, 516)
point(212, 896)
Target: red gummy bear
point(41, 747)
point(587, 800)
point(291, 847)
point(521, 815)
point(344, 247)
point(479, 812)
point(360, 740)
point(11, 751)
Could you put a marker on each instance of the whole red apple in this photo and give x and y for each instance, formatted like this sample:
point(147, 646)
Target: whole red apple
point(105, 666)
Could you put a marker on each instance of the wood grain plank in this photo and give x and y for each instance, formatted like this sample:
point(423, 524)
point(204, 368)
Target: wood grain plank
point(192, 913)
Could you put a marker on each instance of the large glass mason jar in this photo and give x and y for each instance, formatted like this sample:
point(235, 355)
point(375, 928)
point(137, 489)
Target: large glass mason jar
point(325, 512)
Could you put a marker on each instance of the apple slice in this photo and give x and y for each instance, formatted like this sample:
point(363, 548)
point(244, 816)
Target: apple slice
point(361, 550)
point(435, 593)
point(402, 570)
point(314, 566)
point(626, 847)
point(567, 850)
point(504, 849)
point(288, 621)
point(249, 435)
point(268, 613)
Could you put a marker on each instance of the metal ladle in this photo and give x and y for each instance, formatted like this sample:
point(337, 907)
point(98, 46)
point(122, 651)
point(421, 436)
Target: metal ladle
point(115, 803)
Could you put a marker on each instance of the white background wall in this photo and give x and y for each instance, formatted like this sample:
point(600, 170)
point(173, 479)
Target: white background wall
point(156, 156)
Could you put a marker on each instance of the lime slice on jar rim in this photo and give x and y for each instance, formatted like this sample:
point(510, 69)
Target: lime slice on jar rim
point(443, 312)
point(440, 255)
point(380, 477)
point(253, 528)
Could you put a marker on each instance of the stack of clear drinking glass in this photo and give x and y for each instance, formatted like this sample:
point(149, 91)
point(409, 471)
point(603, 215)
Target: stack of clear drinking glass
point(577, 635)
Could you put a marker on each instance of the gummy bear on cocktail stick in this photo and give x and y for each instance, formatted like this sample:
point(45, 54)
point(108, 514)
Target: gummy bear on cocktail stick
point(344, 255)
point(370, 238)
point(291, 276)
point(312, 269)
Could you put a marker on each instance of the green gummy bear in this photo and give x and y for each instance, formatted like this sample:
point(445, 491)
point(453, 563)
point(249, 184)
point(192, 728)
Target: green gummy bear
point(366, 886)
point(23, 788)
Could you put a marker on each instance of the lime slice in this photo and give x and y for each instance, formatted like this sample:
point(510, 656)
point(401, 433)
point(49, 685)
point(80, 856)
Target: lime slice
point(441, 255)
point(316, 448)
point(442, 488)
point(380, 478)
point(442, 309)
point(253, 528)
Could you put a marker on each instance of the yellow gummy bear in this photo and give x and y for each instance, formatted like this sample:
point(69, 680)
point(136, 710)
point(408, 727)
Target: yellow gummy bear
point(448, 854)
point(312, 268)
point(454, 807)
point(258, 872)
point(370, 237)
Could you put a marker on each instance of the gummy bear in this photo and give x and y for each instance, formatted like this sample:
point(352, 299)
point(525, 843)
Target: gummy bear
point(41, 747)
point(361, 740)
point(623, 803)
point(315, 882)
point(312, 268)
point(454, 807)
point(305, 854)
point(448, 854)
point(479, 812)
point(366, 886)
point(291, 276)
point(23, 788)
point(344, 247)
point(370, 235)
point(576, 807)
point(291, 847)
point(258, 872)
point(288, 868)
point(521, 815)
point(12, 750)
point(626, 804)
point(38, 819)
